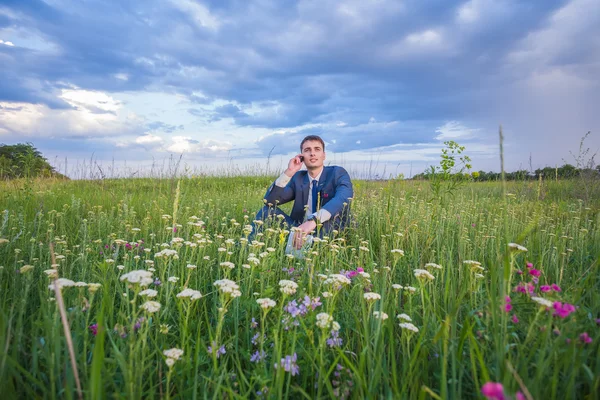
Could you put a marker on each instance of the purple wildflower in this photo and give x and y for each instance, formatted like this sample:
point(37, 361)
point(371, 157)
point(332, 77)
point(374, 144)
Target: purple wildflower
point(218, 352)
point(258, 356)
point(289, 364)
point(94, 329)
point(335, 340)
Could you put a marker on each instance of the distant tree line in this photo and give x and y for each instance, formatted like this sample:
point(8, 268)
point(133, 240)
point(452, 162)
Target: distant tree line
point(22, 160)
point(567, 171)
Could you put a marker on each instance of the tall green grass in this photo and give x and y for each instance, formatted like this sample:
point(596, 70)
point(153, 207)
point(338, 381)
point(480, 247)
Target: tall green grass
point(464, 338)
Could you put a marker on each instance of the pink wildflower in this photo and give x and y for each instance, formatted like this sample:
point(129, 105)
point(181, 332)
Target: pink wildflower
point(529, 265)
point(585, 338)
point(515, 319)
point(520, 396)
point(563, 310)
point(555, 287)
point(493, 391)
point(535, 272)
point(545, 288)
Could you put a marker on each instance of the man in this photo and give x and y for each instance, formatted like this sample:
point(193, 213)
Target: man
point(321, 194)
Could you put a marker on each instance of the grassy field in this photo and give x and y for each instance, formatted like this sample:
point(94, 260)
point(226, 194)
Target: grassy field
point(420, 299)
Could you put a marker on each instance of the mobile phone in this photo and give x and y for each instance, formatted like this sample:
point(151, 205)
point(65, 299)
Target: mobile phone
point(301, 158)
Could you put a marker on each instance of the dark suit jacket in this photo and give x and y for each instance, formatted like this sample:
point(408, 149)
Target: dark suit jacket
point(334, 188)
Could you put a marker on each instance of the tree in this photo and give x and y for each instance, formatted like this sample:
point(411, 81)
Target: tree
point(22, 160)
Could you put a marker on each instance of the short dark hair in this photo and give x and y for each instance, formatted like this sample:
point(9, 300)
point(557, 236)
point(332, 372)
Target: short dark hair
point(312, 137)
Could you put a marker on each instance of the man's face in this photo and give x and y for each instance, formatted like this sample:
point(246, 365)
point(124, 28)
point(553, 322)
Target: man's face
point(313, 153)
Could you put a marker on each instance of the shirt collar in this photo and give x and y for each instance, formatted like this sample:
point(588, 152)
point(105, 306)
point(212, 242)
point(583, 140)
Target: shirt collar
point(318, 177)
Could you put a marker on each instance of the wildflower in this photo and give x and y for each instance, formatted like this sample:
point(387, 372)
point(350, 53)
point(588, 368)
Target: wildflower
point(190, 294)
point(555, 287)
point(266, 303)
point(141, 277)
point(289, 364)
point(334, 340)
point(541, 301)
point(370, 296)
point(563, 310)
point(516, 247)
point(410, 289)
point(545, 288)
point(166, 253)
point(404, 317)
point(148, 293)
point(423, 275)
point(324, 320)
point(218, 352)
point(228, 287)
point(164, 329)
point(93, 287)
point(337, 281)
point(493, 391)
point(253, 324)
point(585, 338)
point(151, 306)
point(120, 267)
point(173, 279)
point(51, 273)
point(433, 265)
point(26, 268)
point(258, 356)
point(398, 252)
point(409, 326)
point(173, 353)
point(109, 261)
point(471, 263)
point(529, 265)
point(535, 272)
point(380, 315)
point(94, 329)
point(228, 264)
point(479, 276)
point(191, 266)
point(396, 286)
point(61, 283)
point(515, 319)
point(288, 287)
point(507, 306)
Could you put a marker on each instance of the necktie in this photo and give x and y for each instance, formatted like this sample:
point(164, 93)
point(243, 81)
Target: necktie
point(314, 195)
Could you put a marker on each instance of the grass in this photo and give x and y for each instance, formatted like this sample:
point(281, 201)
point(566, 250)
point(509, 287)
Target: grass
point(465, 337)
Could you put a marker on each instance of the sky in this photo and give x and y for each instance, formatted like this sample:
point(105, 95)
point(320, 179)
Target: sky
point(137, 85)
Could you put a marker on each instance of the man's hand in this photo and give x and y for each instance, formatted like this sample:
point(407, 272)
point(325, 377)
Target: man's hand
point(294, 165)
point(303, 230)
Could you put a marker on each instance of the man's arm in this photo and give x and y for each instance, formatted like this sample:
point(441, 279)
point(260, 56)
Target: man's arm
point(281, 191)
point(343, 193)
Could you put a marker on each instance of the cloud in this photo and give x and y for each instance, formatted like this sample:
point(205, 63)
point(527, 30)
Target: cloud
point(91, 114)
point(185, 144)
point(148, 139)
point(454, 130)
point(270, 72)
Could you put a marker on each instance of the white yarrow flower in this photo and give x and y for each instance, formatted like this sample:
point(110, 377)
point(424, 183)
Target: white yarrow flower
point(151, 306)
point(324, 320)
point(266, 303)
point(287, 287)
point(370, 296)
point(190, 293)
point(140, 276)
